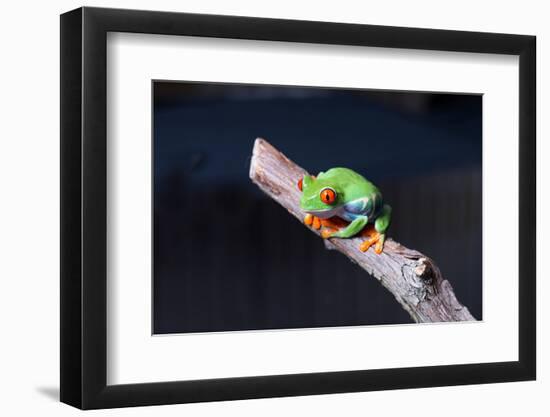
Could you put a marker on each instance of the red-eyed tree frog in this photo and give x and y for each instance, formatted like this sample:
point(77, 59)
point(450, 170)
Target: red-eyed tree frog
point(341, 193)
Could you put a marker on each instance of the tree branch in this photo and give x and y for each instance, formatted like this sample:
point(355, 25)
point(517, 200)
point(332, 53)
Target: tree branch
point(414, 279)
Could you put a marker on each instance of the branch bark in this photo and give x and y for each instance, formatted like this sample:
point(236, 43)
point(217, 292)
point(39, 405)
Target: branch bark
point(414, 279)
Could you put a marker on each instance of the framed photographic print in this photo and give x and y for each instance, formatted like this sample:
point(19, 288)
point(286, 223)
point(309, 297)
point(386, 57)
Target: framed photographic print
point(256, 208)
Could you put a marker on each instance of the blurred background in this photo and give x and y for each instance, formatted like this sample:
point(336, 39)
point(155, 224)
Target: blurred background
point(227, 257)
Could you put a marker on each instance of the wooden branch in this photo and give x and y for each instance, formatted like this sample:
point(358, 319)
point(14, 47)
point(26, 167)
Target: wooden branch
point(413, 278)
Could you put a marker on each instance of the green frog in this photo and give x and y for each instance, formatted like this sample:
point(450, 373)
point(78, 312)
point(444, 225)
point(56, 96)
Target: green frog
point(343, 194)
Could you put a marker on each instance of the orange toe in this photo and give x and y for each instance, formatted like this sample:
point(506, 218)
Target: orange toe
point(316, 223)
point(372, 237)
point(365, 245)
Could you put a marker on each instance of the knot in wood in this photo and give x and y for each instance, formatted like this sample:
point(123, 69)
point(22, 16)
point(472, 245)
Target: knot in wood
point(424, 269)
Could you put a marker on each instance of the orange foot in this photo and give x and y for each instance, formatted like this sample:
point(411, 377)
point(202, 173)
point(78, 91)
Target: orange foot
point(312, 221)
point(373, 237)
point(329, 226)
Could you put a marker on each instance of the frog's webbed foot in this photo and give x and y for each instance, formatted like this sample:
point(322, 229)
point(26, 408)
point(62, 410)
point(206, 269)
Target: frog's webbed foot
point(373, 238)
point(329, 226)
point(313, 221)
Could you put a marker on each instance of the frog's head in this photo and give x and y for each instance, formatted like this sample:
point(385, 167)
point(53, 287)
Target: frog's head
point(319, 197)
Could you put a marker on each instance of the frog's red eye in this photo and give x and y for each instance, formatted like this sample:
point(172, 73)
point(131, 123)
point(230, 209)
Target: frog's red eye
point(300, 184)
point(328, 195)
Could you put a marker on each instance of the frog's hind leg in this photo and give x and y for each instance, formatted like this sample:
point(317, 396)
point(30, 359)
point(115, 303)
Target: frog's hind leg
point(377, 234)
point(381, 225)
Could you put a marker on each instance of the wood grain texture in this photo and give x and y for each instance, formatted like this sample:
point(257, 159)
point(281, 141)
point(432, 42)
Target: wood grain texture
point(414, 279)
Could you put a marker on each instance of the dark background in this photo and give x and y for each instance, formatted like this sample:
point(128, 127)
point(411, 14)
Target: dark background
point(227, 257)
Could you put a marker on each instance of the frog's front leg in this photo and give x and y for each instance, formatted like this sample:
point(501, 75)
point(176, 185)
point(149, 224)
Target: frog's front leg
point(351, 229)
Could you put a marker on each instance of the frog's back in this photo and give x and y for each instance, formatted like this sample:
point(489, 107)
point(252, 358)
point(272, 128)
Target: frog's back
point(354, 184)
point(341, 174)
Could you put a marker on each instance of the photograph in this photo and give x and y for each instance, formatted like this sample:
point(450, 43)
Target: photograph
point(383, 167)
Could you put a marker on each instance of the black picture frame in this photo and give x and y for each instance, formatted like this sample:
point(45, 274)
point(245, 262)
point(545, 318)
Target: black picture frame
point(84, 197)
